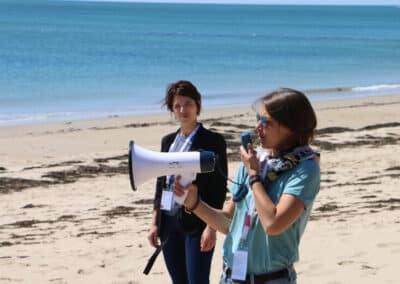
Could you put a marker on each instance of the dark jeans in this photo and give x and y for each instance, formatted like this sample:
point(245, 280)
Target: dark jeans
point(185, 262)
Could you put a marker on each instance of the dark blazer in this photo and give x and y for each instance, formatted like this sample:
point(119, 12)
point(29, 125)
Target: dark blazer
point(211, 186)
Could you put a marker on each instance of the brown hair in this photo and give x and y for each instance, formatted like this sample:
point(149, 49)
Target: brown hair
point(292, 109)
point(182, 88)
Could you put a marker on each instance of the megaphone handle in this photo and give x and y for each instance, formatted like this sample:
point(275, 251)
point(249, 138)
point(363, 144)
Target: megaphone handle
point(185, 180)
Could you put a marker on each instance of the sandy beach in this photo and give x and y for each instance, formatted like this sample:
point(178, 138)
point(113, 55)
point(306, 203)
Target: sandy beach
point(69, 214)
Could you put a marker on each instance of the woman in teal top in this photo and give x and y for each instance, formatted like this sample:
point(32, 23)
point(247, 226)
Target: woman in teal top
point(274, 190)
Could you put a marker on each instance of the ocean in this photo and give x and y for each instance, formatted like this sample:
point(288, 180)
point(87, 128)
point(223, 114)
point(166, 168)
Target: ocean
point(66, 60)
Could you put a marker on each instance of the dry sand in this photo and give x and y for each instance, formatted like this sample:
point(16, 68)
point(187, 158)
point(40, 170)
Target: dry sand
point(69, 215)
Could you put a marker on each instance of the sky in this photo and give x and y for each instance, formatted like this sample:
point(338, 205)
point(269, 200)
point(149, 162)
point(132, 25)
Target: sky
point(300, 2)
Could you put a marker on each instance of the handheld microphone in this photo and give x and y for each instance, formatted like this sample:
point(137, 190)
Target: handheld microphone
point(245, 139)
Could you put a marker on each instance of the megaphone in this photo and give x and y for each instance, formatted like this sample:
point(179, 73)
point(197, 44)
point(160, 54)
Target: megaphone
point(145, 164)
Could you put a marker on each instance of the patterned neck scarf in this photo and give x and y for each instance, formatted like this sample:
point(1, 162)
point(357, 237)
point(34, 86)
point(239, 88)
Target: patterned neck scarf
point(277, 165)
point(272, 167)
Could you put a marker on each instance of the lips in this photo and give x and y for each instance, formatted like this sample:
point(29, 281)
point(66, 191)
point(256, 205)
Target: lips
point(261, 135)
point(261, 138)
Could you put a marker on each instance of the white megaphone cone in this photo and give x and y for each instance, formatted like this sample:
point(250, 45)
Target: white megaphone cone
point(145, 164)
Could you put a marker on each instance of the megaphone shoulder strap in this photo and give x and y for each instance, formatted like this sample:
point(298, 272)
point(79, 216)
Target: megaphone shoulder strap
point(153, 257)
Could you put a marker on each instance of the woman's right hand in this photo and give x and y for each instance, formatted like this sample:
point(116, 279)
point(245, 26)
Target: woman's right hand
point(192, 190)
point(249, 159)
point(153, 236)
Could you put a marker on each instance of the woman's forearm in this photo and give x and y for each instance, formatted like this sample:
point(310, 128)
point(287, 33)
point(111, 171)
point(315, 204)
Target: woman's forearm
point(219, 220)
point(275, 219)
point(154, 219)
point(265, 207)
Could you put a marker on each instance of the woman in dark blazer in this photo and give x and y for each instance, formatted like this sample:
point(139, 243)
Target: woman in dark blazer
point(188, 243)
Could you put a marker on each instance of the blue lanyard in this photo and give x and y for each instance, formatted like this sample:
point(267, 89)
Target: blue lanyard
point(173, 146)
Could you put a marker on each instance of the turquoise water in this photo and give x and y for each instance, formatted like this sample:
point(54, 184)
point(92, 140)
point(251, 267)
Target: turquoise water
point(63, 60)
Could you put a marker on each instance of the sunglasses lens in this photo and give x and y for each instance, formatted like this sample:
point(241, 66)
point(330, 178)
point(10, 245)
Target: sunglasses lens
point(264, 121)
point(262, 118)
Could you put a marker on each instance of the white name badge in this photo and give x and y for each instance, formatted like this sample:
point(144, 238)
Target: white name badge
point(239, 269)
point(167, 200)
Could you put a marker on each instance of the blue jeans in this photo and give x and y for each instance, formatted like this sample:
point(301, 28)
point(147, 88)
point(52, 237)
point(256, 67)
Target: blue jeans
point(185, 262)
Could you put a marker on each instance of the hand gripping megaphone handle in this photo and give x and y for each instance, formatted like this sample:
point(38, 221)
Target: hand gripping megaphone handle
point(185, 180)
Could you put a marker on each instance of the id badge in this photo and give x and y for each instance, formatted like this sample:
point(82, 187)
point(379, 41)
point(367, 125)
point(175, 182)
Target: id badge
point(239, 269)
point(167, 200)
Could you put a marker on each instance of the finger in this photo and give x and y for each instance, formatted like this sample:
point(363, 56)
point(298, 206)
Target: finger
point(204, 247)
point(250, 151)
point(156, 240)
point(208, 247)
point(202, 241)
point(178, 192)
point(151, 241)
point(178, 188)
point(250, 148)
point(191, 187)
point(177, 184)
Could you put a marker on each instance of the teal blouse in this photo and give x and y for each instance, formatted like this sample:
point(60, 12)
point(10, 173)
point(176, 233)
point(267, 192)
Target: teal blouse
point(271, 253)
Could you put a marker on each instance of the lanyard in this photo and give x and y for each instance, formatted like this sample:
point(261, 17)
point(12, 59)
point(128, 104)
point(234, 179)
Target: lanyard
point(173, 146)
point(251, 213)
point(249, 220)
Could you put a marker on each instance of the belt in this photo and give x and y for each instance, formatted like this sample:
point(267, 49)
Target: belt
point(261, 278)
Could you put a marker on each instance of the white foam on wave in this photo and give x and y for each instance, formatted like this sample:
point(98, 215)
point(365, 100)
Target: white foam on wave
point(28, 118)
point(376, 87)
point(34, 118)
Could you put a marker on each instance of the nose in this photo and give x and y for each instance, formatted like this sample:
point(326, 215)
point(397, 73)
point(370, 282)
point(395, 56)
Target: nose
point(181, 108)
point(259, 126)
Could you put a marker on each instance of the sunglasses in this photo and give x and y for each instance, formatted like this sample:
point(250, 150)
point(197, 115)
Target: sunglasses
point(263, 119)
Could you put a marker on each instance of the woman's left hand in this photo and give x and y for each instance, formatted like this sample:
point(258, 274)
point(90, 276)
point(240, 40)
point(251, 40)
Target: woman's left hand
point(249, 159)
point(208, 239)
